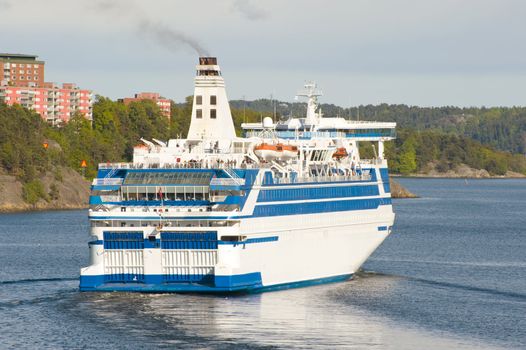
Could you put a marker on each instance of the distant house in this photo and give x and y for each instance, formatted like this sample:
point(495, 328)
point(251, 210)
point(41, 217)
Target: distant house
point(163, 103)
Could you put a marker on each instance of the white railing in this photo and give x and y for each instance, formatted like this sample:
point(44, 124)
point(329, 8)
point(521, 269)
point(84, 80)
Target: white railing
point(110, 198)
point(227, 182)
point(233, 176)
point(375, 161)
point(118, 166)
point(336, 178)
point(184, 165)
point(107, 182)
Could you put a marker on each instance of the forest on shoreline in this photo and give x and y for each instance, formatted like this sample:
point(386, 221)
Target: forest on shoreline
point(423, 140)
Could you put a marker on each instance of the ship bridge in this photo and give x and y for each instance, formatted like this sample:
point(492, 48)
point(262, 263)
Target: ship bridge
point(329, 128)
point(314, 126)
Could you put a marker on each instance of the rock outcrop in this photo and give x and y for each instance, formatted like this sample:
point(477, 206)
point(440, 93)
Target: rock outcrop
point(66, 189)
point(398, 191)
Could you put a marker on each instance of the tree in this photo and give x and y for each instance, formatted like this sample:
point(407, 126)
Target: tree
point(407, 158)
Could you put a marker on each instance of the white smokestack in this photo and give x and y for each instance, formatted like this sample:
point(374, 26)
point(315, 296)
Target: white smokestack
point(211, 116)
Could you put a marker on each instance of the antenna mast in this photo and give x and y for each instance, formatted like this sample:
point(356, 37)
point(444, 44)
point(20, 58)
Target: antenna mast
point(312, 92)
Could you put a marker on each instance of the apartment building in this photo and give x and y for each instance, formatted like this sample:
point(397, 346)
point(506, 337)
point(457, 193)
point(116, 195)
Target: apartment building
point(22, 82)
point(56, 104)
point(163, 103)
point(21, 70)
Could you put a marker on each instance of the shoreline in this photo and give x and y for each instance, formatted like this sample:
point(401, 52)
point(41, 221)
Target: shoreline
point(397, 191)
point(12, 210)
point(426, 176)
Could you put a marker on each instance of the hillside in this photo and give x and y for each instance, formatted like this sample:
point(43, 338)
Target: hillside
point(503, 128)
point(428, 151)
point(40, 164)
point(62, 189)
point(440, 141)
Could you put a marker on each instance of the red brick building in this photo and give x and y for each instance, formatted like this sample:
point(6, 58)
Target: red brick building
point(21, 70)
point(163, 103)
point(22, 82)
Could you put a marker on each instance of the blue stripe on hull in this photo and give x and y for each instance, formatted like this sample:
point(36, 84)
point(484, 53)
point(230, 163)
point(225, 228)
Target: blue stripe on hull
point(301, 284)
point(291, 194)
point(318, 207)
point(276, 209)
point(384, 174)
point(248, 283)
point(250, 241)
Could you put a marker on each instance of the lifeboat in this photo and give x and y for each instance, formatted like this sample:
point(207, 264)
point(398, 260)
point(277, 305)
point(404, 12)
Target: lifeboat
point(289, 152)
point(140, 149)
point(269, 152)
point(340, 153)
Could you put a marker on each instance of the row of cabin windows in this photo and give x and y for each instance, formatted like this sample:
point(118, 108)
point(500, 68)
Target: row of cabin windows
point(318, 193)
point(199, 114)
point(199, 100)
point(166, 223)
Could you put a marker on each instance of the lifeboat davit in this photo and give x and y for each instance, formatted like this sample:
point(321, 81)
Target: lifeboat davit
point(340, 153)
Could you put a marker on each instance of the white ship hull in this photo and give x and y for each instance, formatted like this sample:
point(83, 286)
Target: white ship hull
point(217, 213)
point(309, 253)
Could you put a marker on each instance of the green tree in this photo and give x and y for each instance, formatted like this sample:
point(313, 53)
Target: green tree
point(407, 158)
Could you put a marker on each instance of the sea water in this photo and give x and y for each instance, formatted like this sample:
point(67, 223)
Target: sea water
point(452, 275)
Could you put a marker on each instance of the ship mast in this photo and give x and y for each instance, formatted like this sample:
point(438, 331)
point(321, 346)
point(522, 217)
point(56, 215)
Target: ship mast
point(312, 92)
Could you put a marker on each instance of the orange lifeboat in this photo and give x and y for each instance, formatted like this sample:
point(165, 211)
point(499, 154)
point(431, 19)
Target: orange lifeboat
point(289, 152)
point(280, 151)
point(140, 149)
point(340, 153)
point(268, 152)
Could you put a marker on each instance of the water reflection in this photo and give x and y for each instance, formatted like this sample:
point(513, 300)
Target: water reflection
point(317, 317)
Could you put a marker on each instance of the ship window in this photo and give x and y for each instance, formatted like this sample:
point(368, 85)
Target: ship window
point(213, 100)
point(168, 178)
point(213, 114)
point(199, 113)
point(199, 100)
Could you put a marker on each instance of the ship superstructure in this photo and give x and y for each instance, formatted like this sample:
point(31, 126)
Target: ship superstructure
point(288, 204)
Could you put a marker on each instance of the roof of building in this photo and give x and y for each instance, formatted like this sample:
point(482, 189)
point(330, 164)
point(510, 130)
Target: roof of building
point(19, 57)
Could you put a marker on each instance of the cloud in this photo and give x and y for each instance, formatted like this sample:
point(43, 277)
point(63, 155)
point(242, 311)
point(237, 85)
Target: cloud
point(4, 4)
point(249, 10)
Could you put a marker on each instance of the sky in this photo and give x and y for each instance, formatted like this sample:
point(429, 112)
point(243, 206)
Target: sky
point(416, 52)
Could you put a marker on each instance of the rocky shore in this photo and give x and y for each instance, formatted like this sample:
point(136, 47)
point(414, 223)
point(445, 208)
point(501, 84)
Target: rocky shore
point(398, 191)
point(65, 189)
point(464, 171)
point(72, 190)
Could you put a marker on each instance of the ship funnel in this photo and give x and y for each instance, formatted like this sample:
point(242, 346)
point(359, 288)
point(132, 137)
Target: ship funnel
point(211, 116)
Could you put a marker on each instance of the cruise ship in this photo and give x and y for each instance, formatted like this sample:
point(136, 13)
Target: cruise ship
point(290, 203)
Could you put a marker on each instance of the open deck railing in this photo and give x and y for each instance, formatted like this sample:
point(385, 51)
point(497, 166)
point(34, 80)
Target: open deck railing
point(334, 178)
point(107, 181)
point(185, 165)
point(227, 182)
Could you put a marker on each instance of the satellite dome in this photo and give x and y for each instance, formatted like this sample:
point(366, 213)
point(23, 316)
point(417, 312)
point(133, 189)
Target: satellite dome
point(268, 123)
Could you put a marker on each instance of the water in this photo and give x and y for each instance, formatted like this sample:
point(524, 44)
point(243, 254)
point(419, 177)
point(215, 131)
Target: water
point(453, 275)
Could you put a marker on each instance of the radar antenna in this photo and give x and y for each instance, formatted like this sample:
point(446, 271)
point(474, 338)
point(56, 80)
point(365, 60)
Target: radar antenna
point(311, 91)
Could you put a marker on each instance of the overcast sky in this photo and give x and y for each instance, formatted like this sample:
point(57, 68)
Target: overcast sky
point(418, 52)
